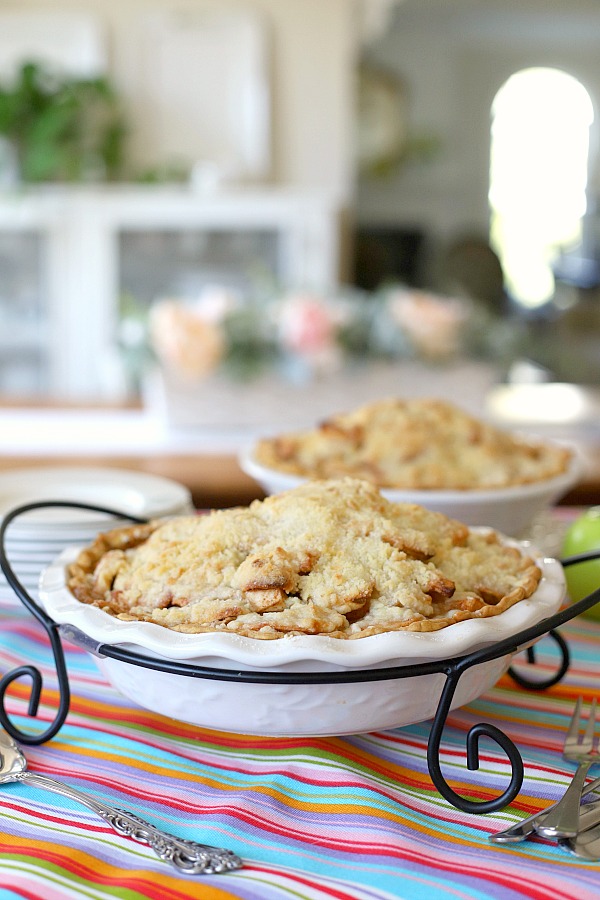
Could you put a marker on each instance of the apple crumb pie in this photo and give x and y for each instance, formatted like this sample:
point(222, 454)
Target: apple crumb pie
point(413, 444)
point(327, 558)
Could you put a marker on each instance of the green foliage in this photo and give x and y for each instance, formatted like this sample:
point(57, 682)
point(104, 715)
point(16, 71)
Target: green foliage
point(63, 129)
point(251, 346)
point(168, 173)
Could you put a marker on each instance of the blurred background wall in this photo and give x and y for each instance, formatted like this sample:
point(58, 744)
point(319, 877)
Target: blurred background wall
point(310, 49)
point(270, 146)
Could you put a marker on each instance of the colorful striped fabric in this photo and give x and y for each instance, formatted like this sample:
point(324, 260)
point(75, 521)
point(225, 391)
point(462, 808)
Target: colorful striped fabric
point(352, 818)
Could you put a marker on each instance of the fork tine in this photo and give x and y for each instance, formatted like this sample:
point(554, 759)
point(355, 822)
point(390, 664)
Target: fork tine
point(588, 737)
point(573, 732)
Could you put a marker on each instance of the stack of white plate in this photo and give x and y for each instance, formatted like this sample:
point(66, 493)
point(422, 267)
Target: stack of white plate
point(34, 539)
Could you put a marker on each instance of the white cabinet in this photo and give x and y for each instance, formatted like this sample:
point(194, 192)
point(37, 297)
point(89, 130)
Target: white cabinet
point(68, 254)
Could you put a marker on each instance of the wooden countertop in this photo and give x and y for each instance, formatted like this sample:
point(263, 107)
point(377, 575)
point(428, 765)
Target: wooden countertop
point(207, 466)
point(124, 437)
point(215, 480)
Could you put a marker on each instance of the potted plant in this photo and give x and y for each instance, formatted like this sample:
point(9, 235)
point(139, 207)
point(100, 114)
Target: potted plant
point(62, 128)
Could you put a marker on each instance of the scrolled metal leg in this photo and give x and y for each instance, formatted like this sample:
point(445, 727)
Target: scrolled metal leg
point(26, 737)
point(472, 746)
point(542, 684)
point(50, 627)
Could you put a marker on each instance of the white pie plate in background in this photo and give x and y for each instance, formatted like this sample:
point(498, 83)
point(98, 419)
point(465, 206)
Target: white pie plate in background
point(306, 708)
point(509, 510)
point(130, 492)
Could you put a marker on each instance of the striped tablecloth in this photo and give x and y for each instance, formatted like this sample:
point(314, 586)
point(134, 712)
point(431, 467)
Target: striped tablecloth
point(352, 818)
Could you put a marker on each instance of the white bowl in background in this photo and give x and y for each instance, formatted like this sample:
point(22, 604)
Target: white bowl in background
point(278, 709)
point(508, 510)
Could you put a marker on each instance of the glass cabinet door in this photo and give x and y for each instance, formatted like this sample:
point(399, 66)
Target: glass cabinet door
point(24, 331)
point(157, 264)
point(72, 262)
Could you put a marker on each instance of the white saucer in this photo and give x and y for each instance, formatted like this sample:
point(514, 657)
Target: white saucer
point(128, 492)
point(35, 538)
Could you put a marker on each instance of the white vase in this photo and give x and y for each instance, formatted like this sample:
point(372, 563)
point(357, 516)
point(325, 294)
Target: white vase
point(270, 403)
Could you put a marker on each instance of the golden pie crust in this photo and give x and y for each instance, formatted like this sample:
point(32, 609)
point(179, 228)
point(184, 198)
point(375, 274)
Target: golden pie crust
point(416, 444)
point(327, 558)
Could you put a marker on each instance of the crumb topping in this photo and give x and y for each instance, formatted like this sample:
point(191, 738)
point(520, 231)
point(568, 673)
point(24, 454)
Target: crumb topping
point(414, 444)
point(329, 557)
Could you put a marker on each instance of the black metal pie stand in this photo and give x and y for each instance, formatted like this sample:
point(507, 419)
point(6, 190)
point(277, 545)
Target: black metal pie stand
point(452, 668)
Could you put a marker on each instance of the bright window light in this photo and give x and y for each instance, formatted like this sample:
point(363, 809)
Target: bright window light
point(541, 120)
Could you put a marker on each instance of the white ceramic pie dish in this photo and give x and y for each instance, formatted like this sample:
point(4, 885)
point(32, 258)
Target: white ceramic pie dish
point(508, 510)
point(307, 708)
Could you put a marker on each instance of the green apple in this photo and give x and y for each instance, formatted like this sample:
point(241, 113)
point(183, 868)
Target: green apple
point(582, 536)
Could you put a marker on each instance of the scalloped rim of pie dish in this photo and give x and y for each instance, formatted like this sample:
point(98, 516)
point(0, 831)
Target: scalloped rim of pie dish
point(389, 648)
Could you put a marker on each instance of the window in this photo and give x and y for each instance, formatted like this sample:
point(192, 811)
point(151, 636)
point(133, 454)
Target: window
point(540, 128)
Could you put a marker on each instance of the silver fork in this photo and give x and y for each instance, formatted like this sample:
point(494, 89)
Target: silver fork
point(520, 831)
point(563, 820)
point(186, 856)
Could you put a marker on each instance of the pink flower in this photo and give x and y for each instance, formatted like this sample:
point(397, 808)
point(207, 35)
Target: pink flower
point(185, 342)
point(307, 326)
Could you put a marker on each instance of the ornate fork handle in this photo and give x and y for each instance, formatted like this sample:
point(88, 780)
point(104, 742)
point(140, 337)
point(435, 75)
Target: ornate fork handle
point(185, 856)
